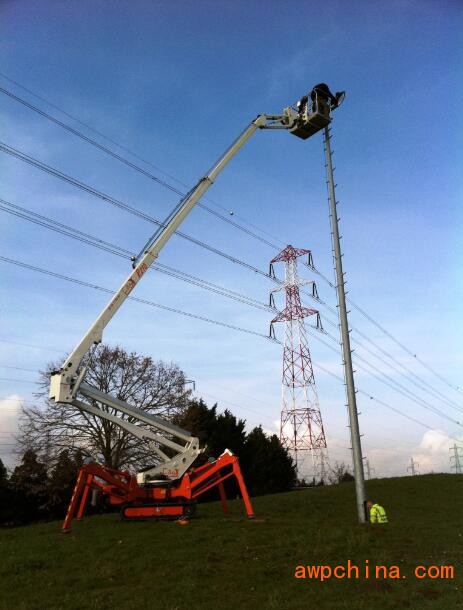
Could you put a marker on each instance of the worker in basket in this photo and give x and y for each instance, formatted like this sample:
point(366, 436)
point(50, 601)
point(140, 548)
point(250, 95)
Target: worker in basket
point(376, 513)
point(323, 100)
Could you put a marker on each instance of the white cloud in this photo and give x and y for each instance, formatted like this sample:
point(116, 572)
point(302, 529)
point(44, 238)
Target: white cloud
point(431, 454)
point(10, 410)
point(435, 442)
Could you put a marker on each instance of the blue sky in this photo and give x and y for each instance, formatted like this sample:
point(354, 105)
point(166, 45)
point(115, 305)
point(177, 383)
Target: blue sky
point(176, 83)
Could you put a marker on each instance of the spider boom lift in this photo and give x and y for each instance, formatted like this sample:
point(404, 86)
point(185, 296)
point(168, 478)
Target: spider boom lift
point(169, 489)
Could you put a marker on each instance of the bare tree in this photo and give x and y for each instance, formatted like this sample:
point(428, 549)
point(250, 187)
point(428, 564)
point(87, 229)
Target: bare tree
point(340, 473)
point(154, 387)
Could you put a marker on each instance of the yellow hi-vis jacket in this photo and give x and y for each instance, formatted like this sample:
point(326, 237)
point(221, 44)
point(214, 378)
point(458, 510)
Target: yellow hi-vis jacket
point(377, 514)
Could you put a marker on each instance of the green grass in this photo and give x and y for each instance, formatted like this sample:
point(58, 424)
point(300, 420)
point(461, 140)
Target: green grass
point(216, 562)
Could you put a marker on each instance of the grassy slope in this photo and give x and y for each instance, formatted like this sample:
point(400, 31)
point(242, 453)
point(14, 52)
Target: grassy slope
point(234, 563)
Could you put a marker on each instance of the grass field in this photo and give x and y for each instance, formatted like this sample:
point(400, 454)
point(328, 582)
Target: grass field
point(217, 562)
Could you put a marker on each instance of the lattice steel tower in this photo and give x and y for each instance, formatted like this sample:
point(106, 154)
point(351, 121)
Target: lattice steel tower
point(456, 458)
point(301, 426)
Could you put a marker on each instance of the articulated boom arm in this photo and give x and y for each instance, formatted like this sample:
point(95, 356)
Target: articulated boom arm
point(68, 381)
point(184, 447)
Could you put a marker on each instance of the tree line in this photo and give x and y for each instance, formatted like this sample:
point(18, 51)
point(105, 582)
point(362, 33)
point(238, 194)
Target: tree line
point(33, 493)
point(55, 440)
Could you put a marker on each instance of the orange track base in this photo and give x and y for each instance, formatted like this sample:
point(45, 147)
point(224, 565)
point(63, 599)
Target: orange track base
point(172, 501)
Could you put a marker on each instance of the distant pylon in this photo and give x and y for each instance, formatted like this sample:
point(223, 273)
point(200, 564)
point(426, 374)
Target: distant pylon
point(322, 465)
point(368, 468)
point(301, 425)
point(456, 457)
point(413, 468)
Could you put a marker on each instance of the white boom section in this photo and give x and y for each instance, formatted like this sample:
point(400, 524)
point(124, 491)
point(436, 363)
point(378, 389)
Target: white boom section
point(66, 382)
point(185, 446)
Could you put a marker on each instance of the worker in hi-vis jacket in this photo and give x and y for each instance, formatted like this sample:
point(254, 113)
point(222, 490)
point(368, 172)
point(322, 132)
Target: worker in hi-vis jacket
point(376, 513)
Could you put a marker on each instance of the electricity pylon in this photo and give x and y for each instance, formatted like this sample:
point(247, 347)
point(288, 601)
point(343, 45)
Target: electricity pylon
point(368, 468)
point(301, 425)
point(456, 457)
point(413, 468)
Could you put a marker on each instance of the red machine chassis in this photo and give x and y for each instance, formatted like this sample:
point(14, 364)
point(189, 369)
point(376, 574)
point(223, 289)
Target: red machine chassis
point(163, 499)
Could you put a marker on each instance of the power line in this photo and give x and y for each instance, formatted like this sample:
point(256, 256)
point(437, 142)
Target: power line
point(34, 346)
point(133, 154)
point(400, 387)
point(58, 227)
point(22, 156)
point(177, 191)
point(388, 334)
point(236, 296)
point(104, 245)
point(117, 250)
point(137, 299)
point(18, 380)
point(132, 165)
point(119, 204)
point(253, 398)
point(415, 380)
point(28, 159)
point(17, 368)
point(114, 249)
point(408, 375)
point(202, 318)
point(388, 381)
point(25, 214)
point(407, 393)
point(377, 400)
point(197, 281)
point(106, 290)
point(234, 404)
point(48, 223)
point(14, 399)
point(409, 352)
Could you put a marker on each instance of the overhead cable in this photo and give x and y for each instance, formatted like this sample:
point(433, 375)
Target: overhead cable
point(164, 307)
point(181, 193)
point(44, 221)
point(177, 191)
